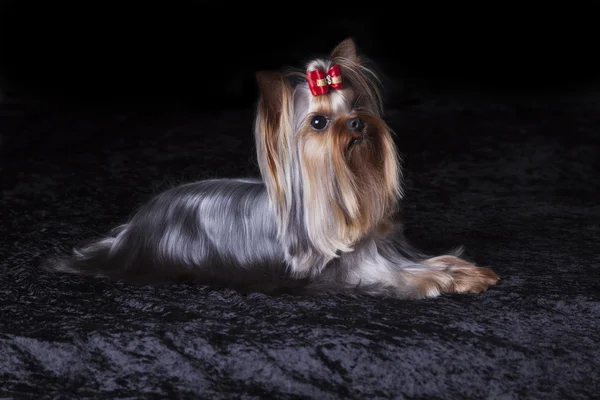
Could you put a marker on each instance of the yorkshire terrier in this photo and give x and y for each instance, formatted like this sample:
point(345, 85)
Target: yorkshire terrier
point(321, 220)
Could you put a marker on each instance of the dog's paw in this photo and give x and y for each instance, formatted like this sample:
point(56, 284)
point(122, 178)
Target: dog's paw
point(466, 277)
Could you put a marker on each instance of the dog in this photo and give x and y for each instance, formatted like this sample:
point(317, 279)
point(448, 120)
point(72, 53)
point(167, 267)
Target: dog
point(321, 220)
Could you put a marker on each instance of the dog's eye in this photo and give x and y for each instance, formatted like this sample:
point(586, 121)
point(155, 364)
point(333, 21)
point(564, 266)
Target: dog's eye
point(318, 122)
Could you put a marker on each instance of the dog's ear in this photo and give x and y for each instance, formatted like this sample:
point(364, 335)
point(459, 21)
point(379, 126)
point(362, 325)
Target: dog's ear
point(271, 135)
point(270, 84)
point(346, 49)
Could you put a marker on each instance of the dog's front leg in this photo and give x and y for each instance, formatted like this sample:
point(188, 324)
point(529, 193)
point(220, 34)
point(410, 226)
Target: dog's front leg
point(448, 274)
point(432, 277)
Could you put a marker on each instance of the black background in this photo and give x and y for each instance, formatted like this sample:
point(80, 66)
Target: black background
point(185, 53)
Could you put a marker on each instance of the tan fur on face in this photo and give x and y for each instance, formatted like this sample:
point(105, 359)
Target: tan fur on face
point(347, 190)
point(373, 164)
point(325, 219)
point(340, 192)
point(357, 184)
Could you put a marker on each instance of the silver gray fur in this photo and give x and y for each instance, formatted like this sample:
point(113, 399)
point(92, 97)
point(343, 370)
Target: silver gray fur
point(225, 232)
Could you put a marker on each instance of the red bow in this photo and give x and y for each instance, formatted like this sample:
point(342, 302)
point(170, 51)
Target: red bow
point(319, 81)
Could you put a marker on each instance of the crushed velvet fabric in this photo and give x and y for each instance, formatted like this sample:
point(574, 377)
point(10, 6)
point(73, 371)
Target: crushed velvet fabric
point(517, 185)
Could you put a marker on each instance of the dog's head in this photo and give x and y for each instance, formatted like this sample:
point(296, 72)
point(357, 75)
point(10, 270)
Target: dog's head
point(326, 155)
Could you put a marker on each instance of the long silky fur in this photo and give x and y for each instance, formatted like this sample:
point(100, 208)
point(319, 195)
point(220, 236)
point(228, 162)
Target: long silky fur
point(319, 220)
point(218, 232)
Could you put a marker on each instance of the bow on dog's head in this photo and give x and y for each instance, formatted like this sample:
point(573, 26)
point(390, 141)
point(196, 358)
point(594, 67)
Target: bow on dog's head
point(319, 81)
point(327, 158)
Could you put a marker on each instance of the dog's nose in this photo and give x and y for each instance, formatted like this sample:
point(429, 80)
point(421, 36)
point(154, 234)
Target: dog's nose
point(356, 124)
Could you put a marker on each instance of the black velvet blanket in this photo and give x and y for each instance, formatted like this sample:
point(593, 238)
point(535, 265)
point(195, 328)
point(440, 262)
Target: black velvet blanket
point(517, 185)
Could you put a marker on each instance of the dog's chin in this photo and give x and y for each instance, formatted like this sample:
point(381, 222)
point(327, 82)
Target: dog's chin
point(354, 142)
point(366, 150)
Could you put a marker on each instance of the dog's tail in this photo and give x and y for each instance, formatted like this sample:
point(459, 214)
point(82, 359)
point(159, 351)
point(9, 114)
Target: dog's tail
point(93, 258)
